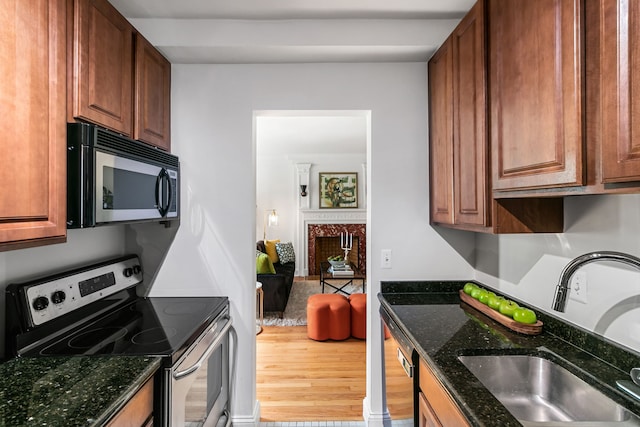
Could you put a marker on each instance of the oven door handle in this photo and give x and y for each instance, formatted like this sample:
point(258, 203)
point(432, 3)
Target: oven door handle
point(221, 335)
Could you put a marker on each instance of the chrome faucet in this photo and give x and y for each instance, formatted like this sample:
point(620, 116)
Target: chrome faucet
point(629, 387)
point(562, 290)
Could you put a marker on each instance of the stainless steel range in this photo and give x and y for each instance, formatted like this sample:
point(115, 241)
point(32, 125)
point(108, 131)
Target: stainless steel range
point(94, 310)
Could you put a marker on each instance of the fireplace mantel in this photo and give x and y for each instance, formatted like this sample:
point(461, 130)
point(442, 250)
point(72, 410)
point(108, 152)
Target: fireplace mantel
point(334, 216)
point(322, 216)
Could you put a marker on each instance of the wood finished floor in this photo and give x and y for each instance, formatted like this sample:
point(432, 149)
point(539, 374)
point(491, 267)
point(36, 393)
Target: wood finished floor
point(299, 379)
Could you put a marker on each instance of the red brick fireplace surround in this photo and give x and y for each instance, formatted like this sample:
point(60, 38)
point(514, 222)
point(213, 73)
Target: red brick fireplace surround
point(334, 230)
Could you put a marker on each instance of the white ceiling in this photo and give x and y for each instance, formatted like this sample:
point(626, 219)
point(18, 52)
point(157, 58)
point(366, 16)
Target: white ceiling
point(297, 31)
point(289, 31)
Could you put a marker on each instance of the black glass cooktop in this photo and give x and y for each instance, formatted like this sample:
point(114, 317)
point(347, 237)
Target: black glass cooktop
point(157, 326)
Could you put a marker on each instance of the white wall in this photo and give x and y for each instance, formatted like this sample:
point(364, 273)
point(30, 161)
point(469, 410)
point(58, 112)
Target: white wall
point(213, 251)
point(529, 266)
point(277, 187)
point(82, 247)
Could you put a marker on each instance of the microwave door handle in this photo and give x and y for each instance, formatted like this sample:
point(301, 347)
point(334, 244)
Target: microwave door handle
point(159, 179)
point(169, 193)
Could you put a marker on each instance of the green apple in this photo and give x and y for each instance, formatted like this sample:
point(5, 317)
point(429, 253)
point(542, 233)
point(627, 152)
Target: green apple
point(468, 287)
point(484, 297)
point(508, 307)
point(475, 293)
point(495, 301)
point(524, 315)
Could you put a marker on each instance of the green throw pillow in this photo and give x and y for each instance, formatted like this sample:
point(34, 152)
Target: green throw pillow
point(264, 264)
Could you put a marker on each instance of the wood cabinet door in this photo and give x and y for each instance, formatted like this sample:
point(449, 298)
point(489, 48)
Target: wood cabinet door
point(32, 123)
point(138, 411)
point(620, 86)
point(438, 400)
point(152, 96)
point(536, 90)
point(426, 416)
point(102, 66)
point(441, 134)
point(469, 120)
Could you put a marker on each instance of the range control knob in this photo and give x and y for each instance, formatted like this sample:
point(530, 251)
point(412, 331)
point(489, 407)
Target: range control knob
point(40, 303)
point(58, 297)
point(136, 269)
point(128, 272)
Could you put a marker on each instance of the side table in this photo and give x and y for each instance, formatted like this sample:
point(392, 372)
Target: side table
point(259, 307)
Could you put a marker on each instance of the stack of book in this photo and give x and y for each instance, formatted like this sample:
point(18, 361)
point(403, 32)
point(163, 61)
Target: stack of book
point(344, 270)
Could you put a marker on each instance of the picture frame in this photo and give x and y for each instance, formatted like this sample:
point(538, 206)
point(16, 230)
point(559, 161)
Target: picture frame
point(338, 190)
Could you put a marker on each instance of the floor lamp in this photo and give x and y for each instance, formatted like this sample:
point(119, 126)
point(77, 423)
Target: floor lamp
point(270, 218)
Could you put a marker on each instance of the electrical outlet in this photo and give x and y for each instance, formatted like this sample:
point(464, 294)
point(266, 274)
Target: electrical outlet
point(579, 287)
point(386, 258)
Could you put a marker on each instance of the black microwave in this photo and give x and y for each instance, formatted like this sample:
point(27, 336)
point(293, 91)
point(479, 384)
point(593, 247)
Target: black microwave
point(113, 179)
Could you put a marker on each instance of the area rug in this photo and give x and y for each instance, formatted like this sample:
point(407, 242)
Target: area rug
point(295, 313)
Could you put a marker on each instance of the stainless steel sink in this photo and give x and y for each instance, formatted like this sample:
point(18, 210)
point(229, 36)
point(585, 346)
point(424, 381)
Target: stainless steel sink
point(538, 391)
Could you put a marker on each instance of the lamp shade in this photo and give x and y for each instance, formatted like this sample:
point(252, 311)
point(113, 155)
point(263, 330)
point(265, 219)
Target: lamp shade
point(270, 220)
point(273, 218)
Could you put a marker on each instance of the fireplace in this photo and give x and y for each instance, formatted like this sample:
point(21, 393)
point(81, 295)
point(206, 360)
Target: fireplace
point(323, 240)
point(327, 246)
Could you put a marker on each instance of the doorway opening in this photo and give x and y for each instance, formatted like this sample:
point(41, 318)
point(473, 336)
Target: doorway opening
point(292, 147)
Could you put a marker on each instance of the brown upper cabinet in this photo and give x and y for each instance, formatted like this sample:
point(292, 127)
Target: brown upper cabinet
point(562, 111)
point(32, 123)
point(536, 69)
point(152, 95)
point(459, 153)
point(102, 67)
point(610, 77)
point(106, 57)
point(457, 113)
point(619, 40)
point(441, 134)
point(470, 154)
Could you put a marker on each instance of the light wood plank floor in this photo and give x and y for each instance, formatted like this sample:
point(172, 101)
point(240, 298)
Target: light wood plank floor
point(299, 379)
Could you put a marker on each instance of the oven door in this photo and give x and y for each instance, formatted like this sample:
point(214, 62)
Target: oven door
point(198, 385)
point(130, 190)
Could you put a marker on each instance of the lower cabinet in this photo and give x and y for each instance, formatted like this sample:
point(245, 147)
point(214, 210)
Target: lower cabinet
point(426, 415)
point(138, 412)
point(435, 407)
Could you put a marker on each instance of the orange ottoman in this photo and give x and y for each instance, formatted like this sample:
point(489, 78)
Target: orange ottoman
point(358, 315)
point(328, 317)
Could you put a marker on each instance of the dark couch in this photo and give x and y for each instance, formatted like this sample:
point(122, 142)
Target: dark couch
point(276, 287)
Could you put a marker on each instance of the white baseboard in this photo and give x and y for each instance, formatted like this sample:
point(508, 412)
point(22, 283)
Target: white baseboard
point(247, 420)
point(372, 419)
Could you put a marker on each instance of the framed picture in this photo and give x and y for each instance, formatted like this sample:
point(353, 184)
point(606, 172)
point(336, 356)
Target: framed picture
point(338, 190)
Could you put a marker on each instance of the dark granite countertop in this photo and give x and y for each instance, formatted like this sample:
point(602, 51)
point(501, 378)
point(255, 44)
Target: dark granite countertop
point(69, 391)
point(442, 328)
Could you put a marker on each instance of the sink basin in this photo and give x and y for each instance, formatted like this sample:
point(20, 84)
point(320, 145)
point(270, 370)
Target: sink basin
point(538, 391)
